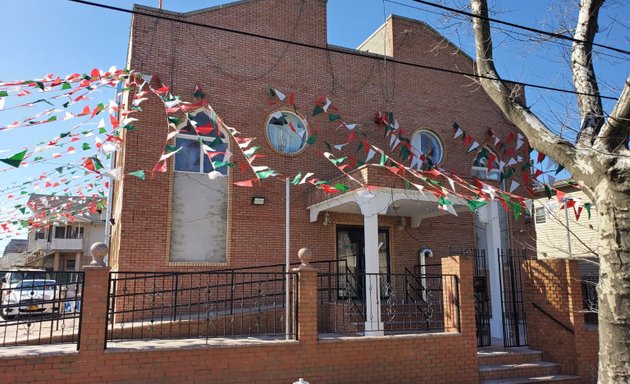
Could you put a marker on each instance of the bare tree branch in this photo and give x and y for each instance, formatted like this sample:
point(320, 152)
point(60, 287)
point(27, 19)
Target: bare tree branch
point(536, 131)
point(616, 132)
point(584, 80)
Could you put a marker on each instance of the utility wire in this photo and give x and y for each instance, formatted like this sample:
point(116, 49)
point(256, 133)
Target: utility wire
point(333, 49)
point(523, 27)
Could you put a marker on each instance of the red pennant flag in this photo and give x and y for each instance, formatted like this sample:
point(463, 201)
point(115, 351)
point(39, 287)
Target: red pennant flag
point(246, 183)
point(541, 157)
point(204, 129)
point(329, 189)
point(160, 167)
point(577, 213)
point(291, 99)
point(560, 195)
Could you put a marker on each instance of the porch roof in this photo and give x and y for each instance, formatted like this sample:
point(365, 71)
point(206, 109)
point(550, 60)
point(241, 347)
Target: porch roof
point(386, 196)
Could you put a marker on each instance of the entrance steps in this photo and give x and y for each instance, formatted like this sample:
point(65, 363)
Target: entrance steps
point(518, 366)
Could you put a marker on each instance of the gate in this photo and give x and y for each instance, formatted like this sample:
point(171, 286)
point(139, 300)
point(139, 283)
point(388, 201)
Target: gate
point(512, 298)
point(481, 286)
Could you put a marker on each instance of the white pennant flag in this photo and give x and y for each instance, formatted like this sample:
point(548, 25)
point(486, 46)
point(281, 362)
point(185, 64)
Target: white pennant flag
point(519, 141)
point(370, 155)
point(513, 186)
point(458, 133)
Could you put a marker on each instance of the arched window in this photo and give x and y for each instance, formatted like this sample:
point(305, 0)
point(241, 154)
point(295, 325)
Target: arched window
point(286, 132)
point(427, 143)
point(480, 168)
point(191, 157)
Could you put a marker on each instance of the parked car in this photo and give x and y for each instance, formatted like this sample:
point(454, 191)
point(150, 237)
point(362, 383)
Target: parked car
point(29, 297)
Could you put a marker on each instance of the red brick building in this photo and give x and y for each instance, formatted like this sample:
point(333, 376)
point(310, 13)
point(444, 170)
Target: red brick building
point(182, 220)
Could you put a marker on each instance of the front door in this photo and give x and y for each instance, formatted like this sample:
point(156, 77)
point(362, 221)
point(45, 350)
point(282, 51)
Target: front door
point(351, 257)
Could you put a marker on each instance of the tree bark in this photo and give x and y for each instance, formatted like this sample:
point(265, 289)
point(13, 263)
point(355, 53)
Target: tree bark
point(614, 284)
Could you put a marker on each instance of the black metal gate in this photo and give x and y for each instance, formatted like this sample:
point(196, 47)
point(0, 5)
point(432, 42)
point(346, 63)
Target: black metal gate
point(481, 286)
point(512, 298)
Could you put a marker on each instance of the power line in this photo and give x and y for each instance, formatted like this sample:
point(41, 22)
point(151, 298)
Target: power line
point(332, 49)
point(523, 27)
point(508, 32)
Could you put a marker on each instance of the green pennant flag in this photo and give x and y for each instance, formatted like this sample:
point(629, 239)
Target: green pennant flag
point(517, 210)
point(59, 169)
point(139, 174)
point(16, 159)
point(444, 201)
point(221, 164)
point(251, 151)
point(383, 159)
point(360, 147)
point(588, 209)
point(317, 110)
point(51, 119)
point(23, 210)
point(174, 120)
point(559, 169)
point(404, 153)
point(339, 160)
point(548, 191)
point(332, 117)
point(86, 146)
point(65, 86)
point(102, 130)
point(297, 179)
point(64, 134)
point(476, 204)
point(312, 138)
point(130, 127)
point(4, 94)
point(341, 187)
point(265, 174)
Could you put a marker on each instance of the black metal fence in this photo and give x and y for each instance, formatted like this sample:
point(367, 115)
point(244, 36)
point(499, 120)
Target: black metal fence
point(512, 296)
point(408, 302)
point(589, 295)
point(174, 305)
point(39, 307)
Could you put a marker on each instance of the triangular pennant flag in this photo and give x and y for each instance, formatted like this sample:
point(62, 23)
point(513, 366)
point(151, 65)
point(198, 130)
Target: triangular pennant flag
point(16, 159)
point(139, 174)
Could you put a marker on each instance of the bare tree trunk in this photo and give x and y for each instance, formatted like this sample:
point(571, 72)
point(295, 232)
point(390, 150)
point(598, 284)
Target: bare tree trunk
point(614, 284)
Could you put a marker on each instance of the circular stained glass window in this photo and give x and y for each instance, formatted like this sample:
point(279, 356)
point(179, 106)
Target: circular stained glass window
point(286, 133)
point(427, 143)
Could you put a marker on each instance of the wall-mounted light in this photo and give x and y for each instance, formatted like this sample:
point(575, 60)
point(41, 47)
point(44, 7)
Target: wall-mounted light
point(326, 219)
point(258, 200)
point(402, 224)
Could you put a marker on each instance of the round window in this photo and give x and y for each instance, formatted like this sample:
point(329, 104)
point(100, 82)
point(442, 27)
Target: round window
point(427, 143)
point(286, 132)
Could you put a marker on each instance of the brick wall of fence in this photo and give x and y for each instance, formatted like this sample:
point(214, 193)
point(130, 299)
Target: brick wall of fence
point(448, 357)
point(555, 317)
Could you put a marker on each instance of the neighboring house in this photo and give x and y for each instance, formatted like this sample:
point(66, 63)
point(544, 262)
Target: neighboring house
point(13, 251)
point(182, 220)
point(62, 230)
point(15, 247)
point(566, 233)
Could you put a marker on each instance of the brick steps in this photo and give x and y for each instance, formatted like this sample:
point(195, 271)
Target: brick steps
point(519, 366)
point(565, 379)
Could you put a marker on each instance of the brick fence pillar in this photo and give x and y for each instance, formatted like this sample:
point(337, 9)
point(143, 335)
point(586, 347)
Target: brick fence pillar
point(94, 309)
point(462, 316)
point(307, 299)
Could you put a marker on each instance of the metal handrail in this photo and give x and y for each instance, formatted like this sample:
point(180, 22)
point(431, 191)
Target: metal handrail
point(550, 316)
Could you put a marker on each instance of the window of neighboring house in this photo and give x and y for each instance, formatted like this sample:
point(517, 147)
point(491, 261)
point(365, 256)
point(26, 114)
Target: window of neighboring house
point(427, 143)
point(70, 265)
point(78, 233)
point(60, 232)
point(540, 215)
point(40, 234)
point(480, 166)
point(191, 157)
point(286, 132)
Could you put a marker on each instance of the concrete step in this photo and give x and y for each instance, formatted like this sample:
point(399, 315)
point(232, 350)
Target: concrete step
point(492, 355)
point(564, 379)
point(504, 371)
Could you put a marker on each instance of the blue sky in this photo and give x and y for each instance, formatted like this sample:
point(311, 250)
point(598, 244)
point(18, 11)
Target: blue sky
point(57, 36)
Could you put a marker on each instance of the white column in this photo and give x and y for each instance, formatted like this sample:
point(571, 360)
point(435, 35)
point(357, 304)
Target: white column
point(493, 242)
point(57, 262)
point(373, 323)
point(77, 261)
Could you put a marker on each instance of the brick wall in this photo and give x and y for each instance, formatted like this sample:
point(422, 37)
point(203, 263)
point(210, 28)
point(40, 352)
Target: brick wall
point(554, 286)
point(391, 359)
